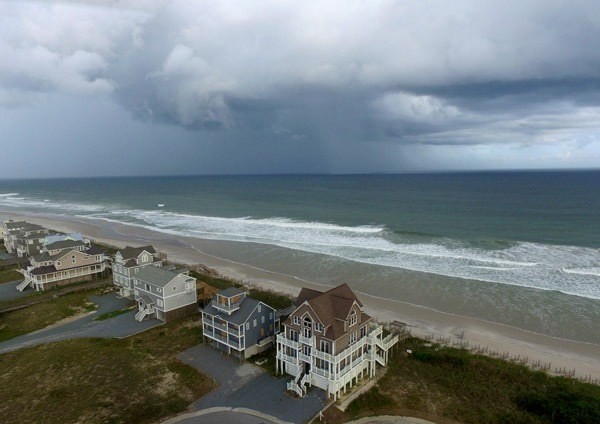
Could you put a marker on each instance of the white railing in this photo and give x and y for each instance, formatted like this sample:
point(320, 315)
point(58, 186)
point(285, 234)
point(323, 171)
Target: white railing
point(306, 340)
point(287, 358)
point(293, 387)
point(141, 315)
point(303, 357)
point(322, 355)
point(64, 275)
point(287, 342)
point(376, 330)
point(22, 285)
point(321, 372)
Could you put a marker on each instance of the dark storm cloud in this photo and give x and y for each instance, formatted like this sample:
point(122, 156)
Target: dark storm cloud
point(333, 76)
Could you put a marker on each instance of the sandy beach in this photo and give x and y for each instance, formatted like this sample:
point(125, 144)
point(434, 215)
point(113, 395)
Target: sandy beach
point(584, 358)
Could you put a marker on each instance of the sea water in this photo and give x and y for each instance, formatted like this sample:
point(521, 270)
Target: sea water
point(489, 244)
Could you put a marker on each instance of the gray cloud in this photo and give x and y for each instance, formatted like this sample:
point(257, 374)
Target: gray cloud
point(323, 74)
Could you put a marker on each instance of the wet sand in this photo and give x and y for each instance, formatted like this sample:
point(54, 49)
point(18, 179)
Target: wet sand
point(584, 358)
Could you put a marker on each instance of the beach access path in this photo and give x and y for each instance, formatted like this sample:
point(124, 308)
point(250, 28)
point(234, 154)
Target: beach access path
point(120, 326)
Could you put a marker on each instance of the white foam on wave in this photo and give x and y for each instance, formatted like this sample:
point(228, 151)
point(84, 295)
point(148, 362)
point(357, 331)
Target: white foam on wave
point(522, 264)
point(569, 269)
point(583, 271)
point(67, 208)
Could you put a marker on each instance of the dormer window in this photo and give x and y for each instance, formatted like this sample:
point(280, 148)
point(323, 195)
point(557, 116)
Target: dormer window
point(144, 258)
point(319, 327)
point(352, 317)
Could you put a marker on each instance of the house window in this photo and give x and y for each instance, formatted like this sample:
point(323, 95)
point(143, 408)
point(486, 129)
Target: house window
point(174, 288)
point(160, 302)
point(325, 346)
point(247, 326)
point(57, 263)
point(73, 259)
point(319, 327)
point(145, 258)
point(259, 307)
point(97, 257)
point(254, 323)
point(262, 319)
point(363, 331)
point(147, 287)
point(159, 290)
point(353, 337)
point(297, 320)
point(271, 315)
point(352, 317)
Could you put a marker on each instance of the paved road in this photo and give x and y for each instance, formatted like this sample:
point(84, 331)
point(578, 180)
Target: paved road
point(246, 385)
point(224, 417)
point(8, 291)
point(119, 326)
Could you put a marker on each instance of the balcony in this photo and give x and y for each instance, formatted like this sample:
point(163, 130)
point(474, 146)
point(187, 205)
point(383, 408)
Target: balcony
point(228, 308)
point(303, 357)
point(323, 355)
point(306, 340)
point(321, 372)
point(222, 339)
point(287, 358)
point(287, 342)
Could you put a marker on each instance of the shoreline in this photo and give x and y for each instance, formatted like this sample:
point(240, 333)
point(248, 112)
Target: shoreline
point(422, 321)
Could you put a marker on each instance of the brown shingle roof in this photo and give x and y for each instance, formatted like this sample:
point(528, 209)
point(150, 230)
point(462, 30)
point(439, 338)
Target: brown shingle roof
point(332, 307)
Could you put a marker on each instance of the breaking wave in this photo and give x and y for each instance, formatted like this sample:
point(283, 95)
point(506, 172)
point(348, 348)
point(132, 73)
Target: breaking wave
point(568, 269)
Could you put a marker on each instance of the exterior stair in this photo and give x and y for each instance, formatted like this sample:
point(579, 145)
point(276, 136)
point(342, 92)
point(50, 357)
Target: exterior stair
point(23, 284)
point(141, 315)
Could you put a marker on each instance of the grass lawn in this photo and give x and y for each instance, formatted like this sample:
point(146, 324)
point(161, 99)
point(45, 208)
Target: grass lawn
point(43, 314)
point(133, 380)
point(10, 275)
point(451, 385)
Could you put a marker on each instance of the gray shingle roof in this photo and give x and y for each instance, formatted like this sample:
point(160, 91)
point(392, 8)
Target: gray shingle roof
point(65, 244)
point(231, 291)
point(156, 276)
point(133, 252)
point(238, 317)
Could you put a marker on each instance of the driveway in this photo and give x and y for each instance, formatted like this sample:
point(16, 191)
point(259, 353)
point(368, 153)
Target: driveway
point(248, 386)
point(8, 291)
point(119, 326)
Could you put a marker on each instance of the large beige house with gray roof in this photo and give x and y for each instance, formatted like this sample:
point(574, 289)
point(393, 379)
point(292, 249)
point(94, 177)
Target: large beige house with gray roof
point(63, 266)
point(328, 341)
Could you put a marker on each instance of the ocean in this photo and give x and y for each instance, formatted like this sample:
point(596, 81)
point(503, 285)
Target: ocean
point(520, 248)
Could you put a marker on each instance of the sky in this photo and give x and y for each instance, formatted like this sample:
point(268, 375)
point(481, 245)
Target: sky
point(151, 87)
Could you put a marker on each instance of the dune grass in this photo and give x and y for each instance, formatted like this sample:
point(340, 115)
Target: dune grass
point(40, 315)
point(9, 275)
point(452, 385)
point(133, 380)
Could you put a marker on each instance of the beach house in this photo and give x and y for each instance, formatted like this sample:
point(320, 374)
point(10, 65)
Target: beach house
point(63, 265)
point(164, 294)
point(237, 324)
point(23, 238)
point(128, 262)
point(329, 342)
